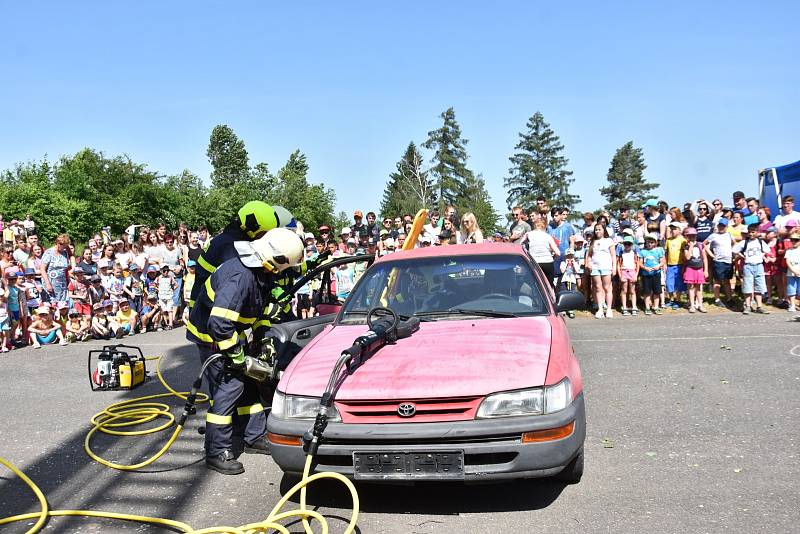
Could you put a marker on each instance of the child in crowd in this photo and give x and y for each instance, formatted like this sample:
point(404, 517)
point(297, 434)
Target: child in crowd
point(772, 273)
point(61, 315)
point(116, 287)
point(79, 293)
point(97, 293)
point(695, 269)
point(5, 321)
point(127, 319)
point(33, 291)
point(43, 330)
point(105, 276)
point(167, 285)
point(652, 263)
point(100, 326)
point(752, 250)
point(581, 277)
point(17, 306)
point(151, 314)
point(719, 248)
point(134, 287)
point(78, 329)
point(188, 283)
point(675, 260)
point(113, 323)
point(568, 270)
point(628, 269)
point(792, 257)
point(151, 275)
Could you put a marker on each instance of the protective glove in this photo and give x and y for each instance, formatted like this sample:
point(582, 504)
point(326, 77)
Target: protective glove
point(281, 297)
point(235, 359)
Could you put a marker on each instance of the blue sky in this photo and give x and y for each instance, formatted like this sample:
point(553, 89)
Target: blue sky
point(710, 91)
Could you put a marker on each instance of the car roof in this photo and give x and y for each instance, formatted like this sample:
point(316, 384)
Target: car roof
point(454, 250)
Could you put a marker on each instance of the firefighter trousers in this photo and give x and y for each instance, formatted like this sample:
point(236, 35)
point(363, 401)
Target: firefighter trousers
point(234, 403)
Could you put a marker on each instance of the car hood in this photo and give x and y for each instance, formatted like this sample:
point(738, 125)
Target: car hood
point(458, 358)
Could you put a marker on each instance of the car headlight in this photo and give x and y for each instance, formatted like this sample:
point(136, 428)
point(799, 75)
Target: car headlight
point(296, 407)
point(534, 401)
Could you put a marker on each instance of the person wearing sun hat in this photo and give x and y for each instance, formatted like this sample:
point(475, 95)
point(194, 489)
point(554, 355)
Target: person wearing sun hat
point(43, 330)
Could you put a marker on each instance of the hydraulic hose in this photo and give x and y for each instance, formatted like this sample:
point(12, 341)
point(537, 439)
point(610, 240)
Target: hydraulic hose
point(140, 410)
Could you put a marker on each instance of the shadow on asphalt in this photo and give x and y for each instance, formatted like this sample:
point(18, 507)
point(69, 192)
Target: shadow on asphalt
point(64, 471)
point(434, 498)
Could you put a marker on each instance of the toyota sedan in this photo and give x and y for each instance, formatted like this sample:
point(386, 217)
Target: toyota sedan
point(488, 388)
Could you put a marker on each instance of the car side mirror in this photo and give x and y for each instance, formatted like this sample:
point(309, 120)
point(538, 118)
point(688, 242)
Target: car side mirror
point(569, 300)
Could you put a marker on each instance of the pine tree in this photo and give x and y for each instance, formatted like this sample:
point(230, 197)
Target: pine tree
point(476, 200)
point(312, 204)
point(410, 187)
point(627, 186)
point(538, 168)
point(228, 157)
point(449, 170)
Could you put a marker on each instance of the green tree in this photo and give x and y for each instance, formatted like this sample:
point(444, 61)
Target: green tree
point(476, 200)
point(410, 187)
point(311, 204)
point(627, 186)
point(449, 170)
point(341, 220)
point(539, 169)
point(228, 157)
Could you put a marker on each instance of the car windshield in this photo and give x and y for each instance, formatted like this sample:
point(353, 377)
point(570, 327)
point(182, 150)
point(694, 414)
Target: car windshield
point(448, 288)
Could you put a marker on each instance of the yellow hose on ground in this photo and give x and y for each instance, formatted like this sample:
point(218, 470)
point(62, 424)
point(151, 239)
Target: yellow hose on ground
point(137, 411)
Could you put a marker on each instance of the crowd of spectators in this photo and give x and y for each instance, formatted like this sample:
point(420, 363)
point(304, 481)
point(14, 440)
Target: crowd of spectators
point(648, 258)
point(107, 288)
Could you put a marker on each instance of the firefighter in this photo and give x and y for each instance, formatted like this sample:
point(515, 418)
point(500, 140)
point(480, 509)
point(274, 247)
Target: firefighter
point(252, 221)
point(229, 302)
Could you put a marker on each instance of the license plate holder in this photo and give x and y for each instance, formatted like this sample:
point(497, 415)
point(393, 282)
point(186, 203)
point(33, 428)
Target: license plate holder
point(408, 465)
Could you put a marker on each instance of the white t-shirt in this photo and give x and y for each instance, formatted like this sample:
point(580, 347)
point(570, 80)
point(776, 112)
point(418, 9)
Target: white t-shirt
point(793, 259)
point(755, 251)
point(124, 259)
point(721, 246)
point(602, 257)
point(628, 260)
point(539, 246)
point(781, 220)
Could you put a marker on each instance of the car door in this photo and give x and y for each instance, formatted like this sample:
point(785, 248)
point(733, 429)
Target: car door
point(290, 337)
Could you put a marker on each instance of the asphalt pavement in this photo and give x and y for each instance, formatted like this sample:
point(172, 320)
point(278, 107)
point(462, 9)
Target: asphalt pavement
point(692, 427)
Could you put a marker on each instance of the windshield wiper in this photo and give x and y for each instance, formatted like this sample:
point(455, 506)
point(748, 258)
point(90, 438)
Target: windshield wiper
point(469, 311)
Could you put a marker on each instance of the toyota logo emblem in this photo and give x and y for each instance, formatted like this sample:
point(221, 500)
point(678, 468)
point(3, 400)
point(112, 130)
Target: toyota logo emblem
point(406, 409)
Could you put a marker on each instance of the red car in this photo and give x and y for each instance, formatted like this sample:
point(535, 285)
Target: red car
point(488, 388)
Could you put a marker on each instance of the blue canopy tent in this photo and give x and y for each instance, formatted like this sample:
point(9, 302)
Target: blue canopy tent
point(777, 182)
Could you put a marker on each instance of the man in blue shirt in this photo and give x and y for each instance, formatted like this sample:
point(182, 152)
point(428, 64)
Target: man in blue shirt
point(561, 230)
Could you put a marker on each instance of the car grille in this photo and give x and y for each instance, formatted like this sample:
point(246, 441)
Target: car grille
point(427, 410)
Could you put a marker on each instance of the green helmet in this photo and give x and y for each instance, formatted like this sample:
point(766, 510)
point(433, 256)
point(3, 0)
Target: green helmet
point(256, 218)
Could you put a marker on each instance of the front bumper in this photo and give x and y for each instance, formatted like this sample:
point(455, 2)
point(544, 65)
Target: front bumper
point(493, 448)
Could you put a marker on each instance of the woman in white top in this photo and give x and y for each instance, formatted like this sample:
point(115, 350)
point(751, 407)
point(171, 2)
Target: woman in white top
point(542, 248)
point(470, 232)
point(601, 265)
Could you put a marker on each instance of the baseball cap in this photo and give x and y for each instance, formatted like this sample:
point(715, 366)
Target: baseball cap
point(136, 267)
point(324, 228)
point(351, 241)
point(12, 272)
point(191, 263)
point(31, 270)
point(723, 221)
point(751, 219)
point(73, 312)
point(675, 224)
point(389, 243)
point(360, 251)
point(124, 303)
point(651, 236)
point(62, 305)
point(95, 278)
point(165, 266)
point(308, 235)
point(791, 223)
point(627, 239)
point(690, 231)
point(76, 270)
point(107, 303)
point(151, 295)
point(309, 248)
point(345, 230)
point(102, 264)
point(42, 310)
point(650, 203)
point(98, 306)
point(498, 234)
point(152, 269)
point(358, 213)
point(579, 237)
point(771, 229)
point(372, 241)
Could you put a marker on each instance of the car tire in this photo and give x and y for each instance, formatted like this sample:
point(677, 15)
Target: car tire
point(574, 471)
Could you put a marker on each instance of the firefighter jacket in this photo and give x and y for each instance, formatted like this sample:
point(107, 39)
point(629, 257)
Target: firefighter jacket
point(219, 250)
point(230, 301)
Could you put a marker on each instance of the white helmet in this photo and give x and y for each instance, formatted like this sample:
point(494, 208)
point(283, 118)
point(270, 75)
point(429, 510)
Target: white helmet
point(276, 251)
